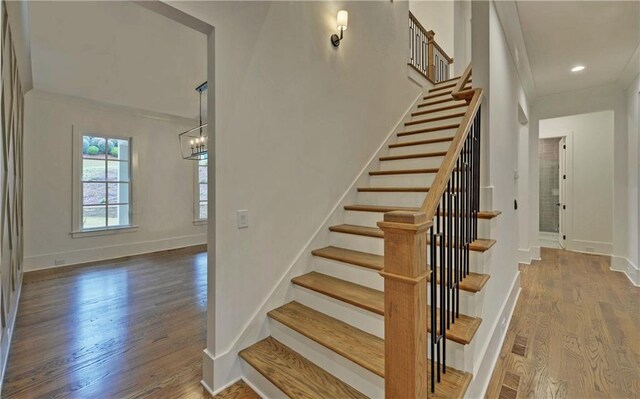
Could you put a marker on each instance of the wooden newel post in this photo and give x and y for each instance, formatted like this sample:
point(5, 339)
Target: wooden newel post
point(405, 304)
point(431, 70)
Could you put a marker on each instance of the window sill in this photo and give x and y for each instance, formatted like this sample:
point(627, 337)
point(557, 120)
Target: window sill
point(104, 232)
point(200, 222)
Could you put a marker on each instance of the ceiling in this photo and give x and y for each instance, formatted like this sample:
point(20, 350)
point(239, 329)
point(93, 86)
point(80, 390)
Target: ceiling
point(117, 53)
point(601, 35)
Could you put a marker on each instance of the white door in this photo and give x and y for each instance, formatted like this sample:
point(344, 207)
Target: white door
point(562, 199)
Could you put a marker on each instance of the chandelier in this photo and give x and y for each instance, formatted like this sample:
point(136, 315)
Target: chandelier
point(193, 142)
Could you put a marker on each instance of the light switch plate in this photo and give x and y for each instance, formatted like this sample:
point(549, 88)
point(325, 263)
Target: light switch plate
point(243, 218)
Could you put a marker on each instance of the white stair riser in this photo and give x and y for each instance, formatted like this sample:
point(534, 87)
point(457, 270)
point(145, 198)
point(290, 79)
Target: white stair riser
point(348, 272)
point(371, 219)
point(420, 148)
point(450, 101)
point(413, 163)
point(404, 180)
point(424, 125)
point(425, 136)
point(438, 113)
point(358, 377)
point(392, 198)
point(456, 353)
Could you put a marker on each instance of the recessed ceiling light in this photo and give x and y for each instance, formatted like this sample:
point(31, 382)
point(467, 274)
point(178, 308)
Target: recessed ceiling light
point(577, 68)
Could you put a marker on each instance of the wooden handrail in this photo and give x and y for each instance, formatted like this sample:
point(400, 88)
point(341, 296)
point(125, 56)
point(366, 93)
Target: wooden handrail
point(424, 50)
point(458, 92)
point(446, 56)
point(439, 185)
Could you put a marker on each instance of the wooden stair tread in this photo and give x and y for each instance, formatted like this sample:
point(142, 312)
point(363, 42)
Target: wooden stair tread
point(447, 92)
point(430, 129)
point(393, 189)
point(358, 346)
point(449, 80)
point(441, 101)
point(473, 283)
point(239, 390)
point(435, 119)
point(402, 172)
point(462, 331)
point(446, 85)
point(385, 209)
point(479, 245)
point(411, 156)
point(364, 259)
point(293, 374)
point(421, 142)
point(445, 108)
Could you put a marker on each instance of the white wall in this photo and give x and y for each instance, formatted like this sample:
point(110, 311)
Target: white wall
point(296, 120)
point(496, 73)
point(595, 99)
point(633, 125)
point(438, 17)
point(461, 36)
point(589, 214)
point(163, 185)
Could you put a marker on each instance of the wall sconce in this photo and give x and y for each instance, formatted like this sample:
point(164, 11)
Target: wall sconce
point(342, 20)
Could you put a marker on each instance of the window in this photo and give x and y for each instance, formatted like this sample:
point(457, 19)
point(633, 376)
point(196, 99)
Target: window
point(201, 199)
point(103, 193)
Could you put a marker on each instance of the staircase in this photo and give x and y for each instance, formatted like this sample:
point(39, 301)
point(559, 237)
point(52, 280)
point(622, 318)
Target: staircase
point(329, 342)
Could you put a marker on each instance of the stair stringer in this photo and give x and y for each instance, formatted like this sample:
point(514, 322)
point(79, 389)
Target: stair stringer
point(227, 365)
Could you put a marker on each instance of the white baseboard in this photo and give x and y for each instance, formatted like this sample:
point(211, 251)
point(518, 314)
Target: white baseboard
point(87, 255)
point(5, 341)
point(624, 265)
point(226, 364)
point(528, 255)
point(484, 370)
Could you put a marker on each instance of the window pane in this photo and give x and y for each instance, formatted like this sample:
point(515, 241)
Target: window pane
point(117, 149)
point(118, 171)
point(94, 193)
point(203, 192)
point(93, 147)
point(94, 217)
point(118, 215)
point(203, 210)
point(93, 170)
point(118, 193)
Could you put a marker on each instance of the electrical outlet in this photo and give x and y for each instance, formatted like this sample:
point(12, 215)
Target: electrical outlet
point(243, 218)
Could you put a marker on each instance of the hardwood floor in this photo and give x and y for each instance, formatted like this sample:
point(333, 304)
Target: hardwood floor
point(575, 332)
point(129, 328)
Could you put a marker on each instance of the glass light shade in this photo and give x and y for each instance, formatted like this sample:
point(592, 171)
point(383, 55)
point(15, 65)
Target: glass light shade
point(342, 19)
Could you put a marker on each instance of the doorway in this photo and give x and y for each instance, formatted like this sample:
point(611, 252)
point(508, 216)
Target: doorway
point(552, 194)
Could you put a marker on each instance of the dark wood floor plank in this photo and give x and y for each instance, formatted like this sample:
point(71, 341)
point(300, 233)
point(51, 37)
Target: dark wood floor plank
point(128, 328)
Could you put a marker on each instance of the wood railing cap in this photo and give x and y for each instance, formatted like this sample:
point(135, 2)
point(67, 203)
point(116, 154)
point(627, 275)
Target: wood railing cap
point(405, 220)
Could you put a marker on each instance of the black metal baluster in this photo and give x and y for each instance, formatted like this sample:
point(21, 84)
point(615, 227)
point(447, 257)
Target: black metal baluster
point(434, 301)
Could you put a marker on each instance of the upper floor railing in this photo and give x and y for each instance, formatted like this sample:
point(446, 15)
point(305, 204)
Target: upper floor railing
point(427, 252)
point(425, 54)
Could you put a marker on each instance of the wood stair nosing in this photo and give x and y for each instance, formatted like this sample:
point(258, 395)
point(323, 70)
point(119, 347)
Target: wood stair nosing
point(421, 142)
point(473, 283)
point(449, 80)
point(431, 111)
point(293, 374)
point(435, 119)
point(429, 129)
point(384, 209)
point(462, 331)
point(393, 189)
point(412, 156)
point(360, 347)
point(403, 172)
